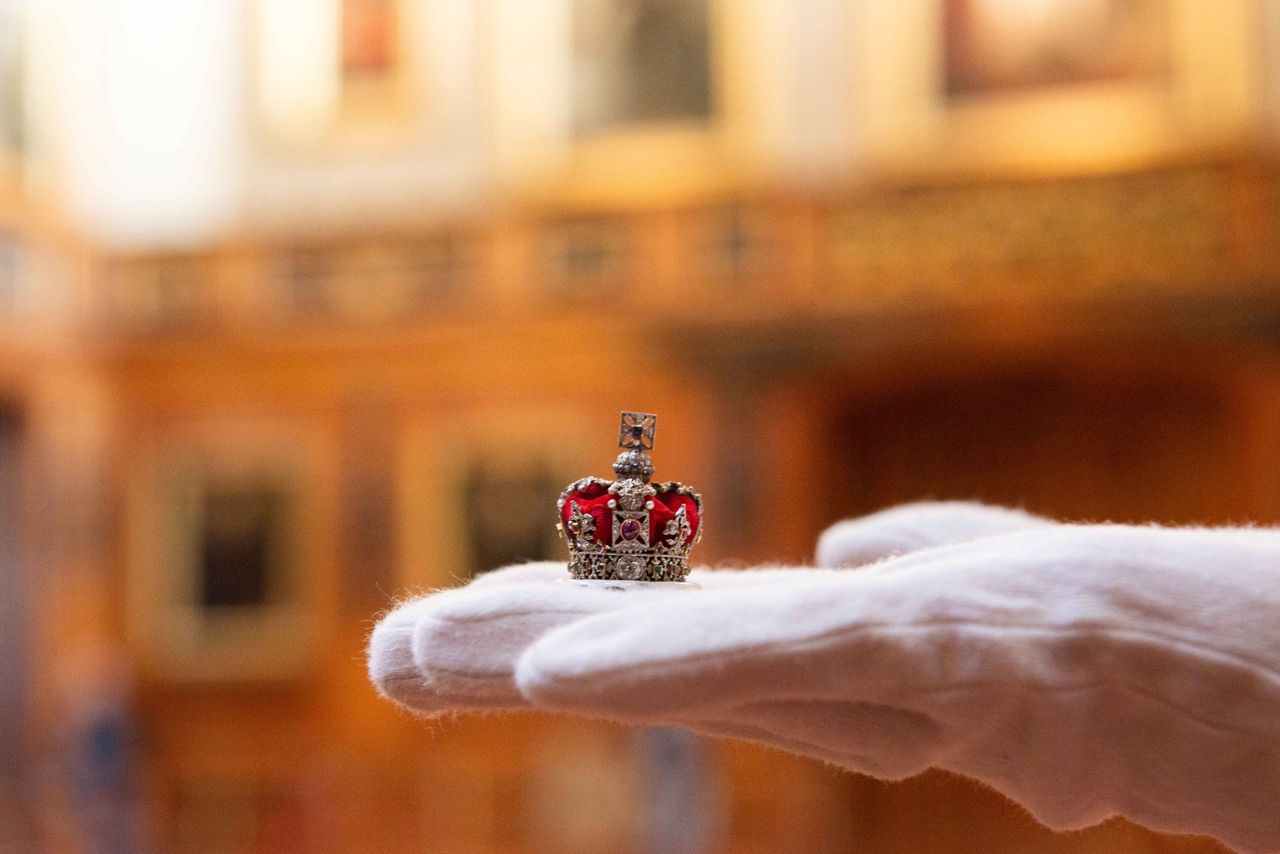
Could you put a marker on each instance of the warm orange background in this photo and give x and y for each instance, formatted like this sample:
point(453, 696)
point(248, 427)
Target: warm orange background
point(1091, 337)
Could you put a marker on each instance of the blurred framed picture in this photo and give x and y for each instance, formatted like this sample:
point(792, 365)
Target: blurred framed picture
point(329, 69)
point(384, 101)
point(220, 576)
point(479, 492)
point(993, 47)
point(638, 62)
point(623, 100)
point(364, 76)
point(1056, 84)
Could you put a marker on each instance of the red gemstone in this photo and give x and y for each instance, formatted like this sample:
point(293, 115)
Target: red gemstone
point(630, 529)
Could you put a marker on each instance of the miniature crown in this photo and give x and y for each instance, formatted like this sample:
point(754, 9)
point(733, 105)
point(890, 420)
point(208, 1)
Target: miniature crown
point(630, 529)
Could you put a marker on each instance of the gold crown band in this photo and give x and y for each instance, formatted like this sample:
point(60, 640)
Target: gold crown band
point(636, 566)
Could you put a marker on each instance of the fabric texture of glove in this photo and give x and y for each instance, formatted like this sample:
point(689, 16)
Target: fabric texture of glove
point(1083, 670)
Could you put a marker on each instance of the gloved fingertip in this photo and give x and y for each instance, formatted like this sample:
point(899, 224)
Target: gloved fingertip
point(911, 527)
point(389, 651)
point(466, 641)
point(391, 663)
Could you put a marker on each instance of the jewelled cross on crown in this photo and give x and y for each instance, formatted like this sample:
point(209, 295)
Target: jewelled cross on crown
point(636, 431)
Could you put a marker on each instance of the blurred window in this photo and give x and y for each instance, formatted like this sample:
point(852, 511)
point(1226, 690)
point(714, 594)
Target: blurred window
point(241, 544)
point(638, 61)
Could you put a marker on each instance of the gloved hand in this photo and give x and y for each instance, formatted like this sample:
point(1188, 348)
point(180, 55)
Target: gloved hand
point(1085, 671)
point(457, 649)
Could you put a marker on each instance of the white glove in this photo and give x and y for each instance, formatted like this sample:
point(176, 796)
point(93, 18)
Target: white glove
point(1085, 671)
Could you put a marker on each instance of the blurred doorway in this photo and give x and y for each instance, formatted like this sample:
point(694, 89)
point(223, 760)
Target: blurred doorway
point(1152, 443)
